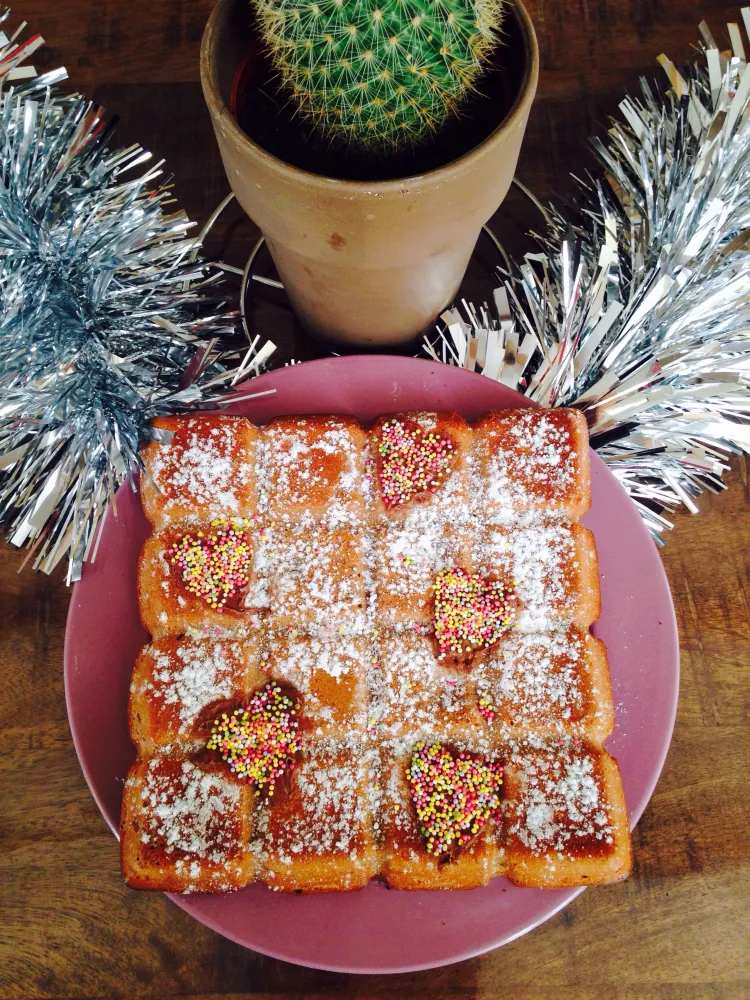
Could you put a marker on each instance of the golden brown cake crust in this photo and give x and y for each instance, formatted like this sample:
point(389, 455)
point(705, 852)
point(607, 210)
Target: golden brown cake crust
point(206, 470)
point(180, 684)
point(534, 461)
point(338, 608)
point(185, 828)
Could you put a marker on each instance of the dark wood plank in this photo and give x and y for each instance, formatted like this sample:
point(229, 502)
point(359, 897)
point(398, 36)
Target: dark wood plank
point(70, 928)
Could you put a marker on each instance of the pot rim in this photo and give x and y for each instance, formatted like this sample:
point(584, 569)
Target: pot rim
point(218, 107)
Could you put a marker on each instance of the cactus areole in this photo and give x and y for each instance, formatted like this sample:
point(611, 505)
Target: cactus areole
point(380, 72)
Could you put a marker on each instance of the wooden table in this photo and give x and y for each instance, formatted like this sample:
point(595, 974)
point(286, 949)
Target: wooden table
point(679, 927)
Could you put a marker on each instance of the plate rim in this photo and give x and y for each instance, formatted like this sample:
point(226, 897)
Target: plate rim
point(185, 902)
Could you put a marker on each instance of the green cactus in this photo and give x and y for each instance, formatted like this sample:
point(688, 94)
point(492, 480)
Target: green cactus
point(382, 72)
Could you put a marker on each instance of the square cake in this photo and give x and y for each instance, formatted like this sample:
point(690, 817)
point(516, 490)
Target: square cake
point(371, 656)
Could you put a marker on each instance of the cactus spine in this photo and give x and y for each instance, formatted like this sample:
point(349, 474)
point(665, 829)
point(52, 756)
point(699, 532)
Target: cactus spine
point(382, 72)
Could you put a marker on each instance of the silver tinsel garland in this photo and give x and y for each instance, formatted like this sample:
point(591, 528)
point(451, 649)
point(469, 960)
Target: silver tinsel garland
point(107, 316)
point(639, 312)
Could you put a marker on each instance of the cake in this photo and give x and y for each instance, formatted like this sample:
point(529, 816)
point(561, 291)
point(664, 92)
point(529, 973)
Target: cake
point(370, 657)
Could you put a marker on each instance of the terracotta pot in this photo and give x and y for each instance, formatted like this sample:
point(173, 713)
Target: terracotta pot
point(363, 263)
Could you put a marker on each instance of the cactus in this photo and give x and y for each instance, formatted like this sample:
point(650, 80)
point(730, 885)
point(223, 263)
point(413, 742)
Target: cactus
point(382, 72)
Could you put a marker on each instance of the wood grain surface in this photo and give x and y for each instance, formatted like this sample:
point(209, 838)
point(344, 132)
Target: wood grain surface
point(679, 927)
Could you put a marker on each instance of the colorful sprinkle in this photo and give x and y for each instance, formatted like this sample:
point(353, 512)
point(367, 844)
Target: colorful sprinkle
point(486, 705)
point(412, 461)
point(487, 708)
point(215, 566)
point(454, 796)
point(259, 741)
point(471, 612)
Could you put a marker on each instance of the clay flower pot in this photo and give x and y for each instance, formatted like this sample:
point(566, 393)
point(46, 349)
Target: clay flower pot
point(364, 263)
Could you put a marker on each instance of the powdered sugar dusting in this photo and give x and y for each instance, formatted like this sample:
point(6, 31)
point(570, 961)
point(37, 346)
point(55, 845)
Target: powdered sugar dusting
point(194, 675)
point(560, 801)
point(186, 812)
point(201, 472)
point(330, 673)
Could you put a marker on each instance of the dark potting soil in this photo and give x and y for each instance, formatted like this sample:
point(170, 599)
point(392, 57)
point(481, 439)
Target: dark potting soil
point(266, 114)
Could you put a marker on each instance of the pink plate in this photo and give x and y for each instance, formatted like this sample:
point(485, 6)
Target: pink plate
point(376, 930)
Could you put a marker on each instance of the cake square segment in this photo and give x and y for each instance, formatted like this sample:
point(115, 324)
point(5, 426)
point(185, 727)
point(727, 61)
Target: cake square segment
point(185, 828)
point(166, 604)
point(316, 579)
point(553, 567)
point(330, 674)
point(413, 696)
point(565, 821)
point(179, 685)
point(532, 462)
point(314, 466)
point(449, 495)
point(546, 683)
point(408, 553)
point(319, 836)
point(407, 864)
point(207, 470)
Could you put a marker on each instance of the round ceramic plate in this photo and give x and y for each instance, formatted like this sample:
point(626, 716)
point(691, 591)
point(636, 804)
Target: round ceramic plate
point(377, 930)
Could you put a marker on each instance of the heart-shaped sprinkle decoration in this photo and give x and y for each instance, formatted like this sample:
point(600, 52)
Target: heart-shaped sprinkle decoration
point(471, 612)
point(412, 462)
point(454, 796)
point(215, 565)
point(259, 741)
